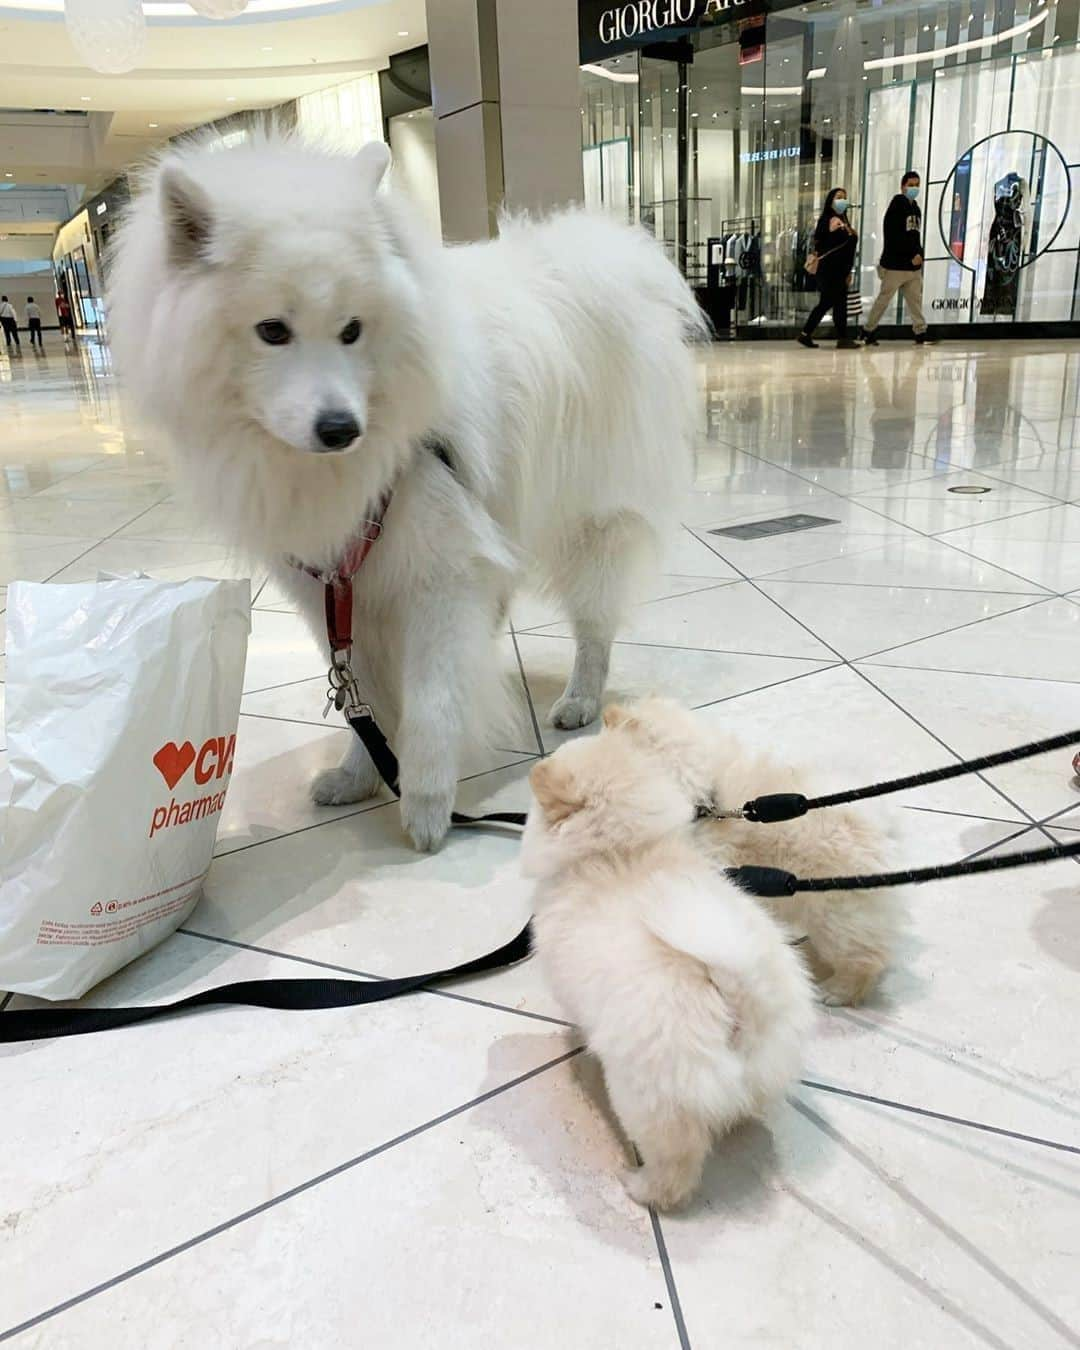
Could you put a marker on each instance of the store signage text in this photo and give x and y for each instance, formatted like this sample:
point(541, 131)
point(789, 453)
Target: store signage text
point(606, 28)
point(644, 16)
point(949, 302)
point(756, 156)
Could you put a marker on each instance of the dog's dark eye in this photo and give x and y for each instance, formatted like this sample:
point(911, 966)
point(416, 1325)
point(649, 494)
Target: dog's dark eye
point(351, 331)
point(275, 331)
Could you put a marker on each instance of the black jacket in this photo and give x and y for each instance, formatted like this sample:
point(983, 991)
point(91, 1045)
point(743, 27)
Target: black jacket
point(903, 235)
point(836, 249)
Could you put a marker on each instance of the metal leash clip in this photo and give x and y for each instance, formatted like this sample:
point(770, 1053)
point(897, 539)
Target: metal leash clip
point(710, 811)
point(343, 694)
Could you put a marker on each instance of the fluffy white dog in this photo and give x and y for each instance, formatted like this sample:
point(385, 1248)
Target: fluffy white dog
point(684, 987)
point(852, 934)
point(529, 404)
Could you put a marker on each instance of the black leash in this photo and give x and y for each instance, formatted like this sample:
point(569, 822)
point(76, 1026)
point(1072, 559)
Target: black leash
point(779, 806)
point(31, 1024)
point(375, 743)
point(766, 882)
point(772, 883)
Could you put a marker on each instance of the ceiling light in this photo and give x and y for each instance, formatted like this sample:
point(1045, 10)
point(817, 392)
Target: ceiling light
point(886, 62)
point(9, 175)
point(85, 98)
point(403, 32)
point(231, 98)
point(152, 125)
point(266, 49)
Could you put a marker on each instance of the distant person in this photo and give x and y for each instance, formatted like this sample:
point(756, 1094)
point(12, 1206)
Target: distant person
point(10, 320)
point(63, 313)
point(33, 320)
point(901, 267)
point(834, 247)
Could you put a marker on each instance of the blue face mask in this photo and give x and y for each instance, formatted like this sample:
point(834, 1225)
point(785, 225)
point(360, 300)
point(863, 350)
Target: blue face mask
point(840, 204)
point(911, 193)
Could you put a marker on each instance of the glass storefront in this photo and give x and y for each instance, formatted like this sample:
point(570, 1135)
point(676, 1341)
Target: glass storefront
point(722, 126)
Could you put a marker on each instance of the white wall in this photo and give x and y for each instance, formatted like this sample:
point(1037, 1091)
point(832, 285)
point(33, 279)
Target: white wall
point(412, 141)
point(38, 284)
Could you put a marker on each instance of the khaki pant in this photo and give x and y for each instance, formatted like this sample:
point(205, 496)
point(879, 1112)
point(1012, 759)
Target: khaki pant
point(909, 284)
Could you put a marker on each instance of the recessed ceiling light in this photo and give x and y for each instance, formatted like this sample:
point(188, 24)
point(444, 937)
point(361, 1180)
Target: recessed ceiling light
point(231, 98)
point(85, 98)
point(9, 175)
point(152, 124)
point(403, 32)
point(266, 49)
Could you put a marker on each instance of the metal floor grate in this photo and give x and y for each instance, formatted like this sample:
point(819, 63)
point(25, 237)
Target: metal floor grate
point(763, 529)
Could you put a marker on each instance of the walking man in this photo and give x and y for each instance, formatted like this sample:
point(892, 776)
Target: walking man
point(10, 321)
point(33, 319)
point(901, 263)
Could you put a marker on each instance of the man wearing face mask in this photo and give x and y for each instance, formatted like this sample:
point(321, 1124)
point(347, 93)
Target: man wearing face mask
point(901, 261)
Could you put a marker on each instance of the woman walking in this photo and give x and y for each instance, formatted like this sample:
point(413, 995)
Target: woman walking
point(834, 246)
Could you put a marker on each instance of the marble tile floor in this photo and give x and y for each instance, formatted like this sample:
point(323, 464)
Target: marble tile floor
point(441, 1170)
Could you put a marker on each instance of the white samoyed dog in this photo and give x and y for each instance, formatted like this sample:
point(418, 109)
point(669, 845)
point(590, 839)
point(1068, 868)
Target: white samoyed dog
point(529, 404)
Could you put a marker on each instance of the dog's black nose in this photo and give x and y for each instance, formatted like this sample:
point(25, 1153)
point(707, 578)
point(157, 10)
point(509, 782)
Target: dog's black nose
point(336, 430)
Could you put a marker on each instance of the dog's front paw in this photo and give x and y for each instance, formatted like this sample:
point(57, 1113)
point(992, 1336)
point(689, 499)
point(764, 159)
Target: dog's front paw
point(340, 786)
point(573, 711)
point(426, 818)
point(843, 991)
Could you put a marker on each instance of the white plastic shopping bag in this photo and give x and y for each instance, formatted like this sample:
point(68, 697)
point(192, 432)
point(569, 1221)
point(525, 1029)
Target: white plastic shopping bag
point(122, 705)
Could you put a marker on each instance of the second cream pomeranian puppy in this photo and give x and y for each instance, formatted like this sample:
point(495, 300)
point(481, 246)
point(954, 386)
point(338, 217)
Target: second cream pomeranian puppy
point(682, 985)
point(852, 934)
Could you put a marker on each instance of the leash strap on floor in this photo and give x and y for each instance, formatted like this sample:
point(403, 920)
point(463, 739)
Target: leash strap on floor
point(32, 1024)
point(777, 806)
point(386, 765)
point(772, 883)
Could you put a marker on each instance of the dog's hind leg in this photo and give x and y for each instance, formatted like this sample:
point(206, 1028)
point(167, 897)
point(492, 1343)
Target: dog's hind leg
point(598, 572)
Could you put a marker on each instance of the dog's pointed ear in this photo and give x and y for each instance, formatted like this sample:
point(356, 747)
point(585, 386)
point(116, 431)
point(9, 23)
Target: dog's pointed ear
point(188, 216)
point(556, 790)
point(373, 160)
point(616, 715)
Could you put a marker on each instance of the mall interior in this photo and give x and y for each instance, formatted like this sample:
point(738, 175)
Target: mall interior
point(445, 1169)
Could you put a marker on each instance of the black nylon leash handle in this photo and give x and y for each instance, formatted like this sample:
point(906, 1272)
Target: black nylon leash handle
point(779, 806)
point(31, 1024)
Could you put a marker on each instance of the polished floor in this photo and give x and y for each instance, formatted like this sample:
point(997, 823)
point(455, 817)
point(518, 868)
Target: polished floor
point(440, 1171)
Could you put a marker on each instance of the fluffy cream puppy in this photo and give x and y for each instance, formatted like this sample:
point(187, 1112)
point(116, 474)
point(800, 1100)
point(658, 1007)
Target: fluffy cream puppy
point(682, 985)
point(852, 934)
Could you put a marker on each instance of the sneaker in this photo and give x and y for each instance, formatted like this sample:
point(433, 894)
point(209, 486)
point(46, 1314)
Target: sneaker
point(870, 339)
point(925, 340)
point(806, 340)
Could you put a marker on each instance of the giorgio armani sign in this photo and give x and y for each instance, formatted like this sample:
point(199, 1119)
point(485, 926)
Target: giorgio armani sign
point(607, 28)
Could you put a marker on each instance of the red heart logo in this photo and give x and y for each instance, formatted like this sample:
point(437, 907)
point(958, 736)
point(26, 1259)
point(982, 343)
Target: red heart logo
point(173, 761)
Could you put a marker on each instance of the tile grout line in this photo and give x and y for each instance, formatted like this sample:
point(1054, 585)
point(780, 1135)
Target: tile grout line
point(528, 693)
point(778, 579)
point(922, 534)
point(367, 975)
point(669, 1279)
point(1026, 815)
point(981, 674)
point(104, 539)
point(873, 1100)
point(946, 632)
point(256, 1210)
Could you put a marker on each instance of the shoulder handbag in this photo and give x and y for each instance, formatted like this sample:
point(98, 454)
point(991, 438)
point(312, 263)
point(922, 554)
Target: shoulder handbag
point(811, 264)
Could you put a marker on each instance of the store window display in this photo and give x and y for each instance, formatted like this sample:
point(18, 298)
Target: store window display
point(735, 123)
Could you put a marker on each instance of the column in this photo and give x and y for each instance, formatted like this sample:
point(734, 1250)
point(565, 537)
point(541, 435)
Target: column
point(505, 90)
